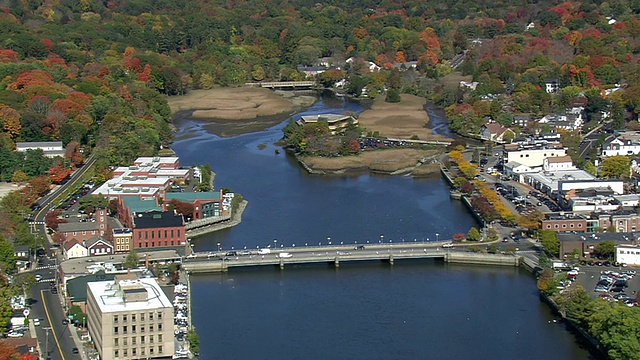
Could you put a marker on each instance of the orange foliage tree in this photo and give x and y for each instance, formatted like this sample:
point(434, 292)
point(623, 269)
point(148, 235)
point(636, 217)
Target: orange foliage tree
point(10, 119)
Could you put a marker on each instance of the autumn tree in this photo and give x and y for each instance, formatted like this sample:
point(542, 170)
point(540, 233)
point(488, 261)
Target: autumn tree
point(615, 167)
point(10, 119)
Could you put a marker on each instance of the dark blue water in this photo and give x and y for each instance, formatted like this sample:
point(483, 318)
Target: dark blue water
point(368, 311)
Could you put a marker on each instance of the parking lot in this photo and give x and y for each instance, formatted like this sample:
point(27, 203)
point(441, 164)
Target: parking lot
point(589, 276)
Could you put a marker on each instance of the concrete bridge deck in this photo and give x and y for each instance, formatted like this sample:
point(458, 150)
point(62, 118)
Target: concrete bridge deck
point(219, 262)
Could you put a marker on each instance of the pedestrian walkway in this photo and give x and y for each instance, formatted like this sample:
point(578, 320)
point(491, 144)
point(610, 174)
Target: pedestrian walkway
point(46, 267)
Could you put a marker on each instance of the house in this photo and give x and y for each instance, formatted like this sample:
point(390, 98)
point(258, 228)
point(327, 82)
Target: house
point(98, 246)
point(496, 133)
point(469, 85)
point(23, 346)
point(21, 252)
point(158, 229)
point(621, 146)
point(521, 120)
point(370, 65)
point(74, 249)
point(311, 71)
point(49, 148)
point(551, 86)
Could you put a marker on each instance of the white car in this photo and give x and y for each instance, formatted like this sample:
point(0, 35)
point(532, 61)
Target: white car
point(449, 245)
point(192, 256)
point(15, 334)
point(38, 277)
point(36, 322)
point(284, 255)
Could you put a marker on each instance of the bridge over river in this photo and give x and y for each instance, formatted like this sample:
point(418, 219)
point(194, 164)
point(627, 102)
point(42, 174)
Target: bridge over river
point(337, 254)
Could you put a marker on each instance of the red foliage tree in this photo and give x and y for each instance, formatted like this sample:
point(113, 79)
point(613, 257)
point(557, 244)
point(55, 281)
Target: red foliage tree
point(57, 173)
point(7, 55)
point(354, 146)
point(31, 78)
point(47, 43)
point(182, 207)
point(51, 219)
point(6, 351)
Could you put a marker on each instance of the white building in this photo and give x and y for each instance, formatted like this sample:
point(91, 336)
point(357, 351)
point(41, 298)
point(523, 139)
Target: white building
point(130, 318)
point(558, 163)
point(531, 156)
point(74, 249)
point(621, 146)
point(628, 254)
point(49, 148)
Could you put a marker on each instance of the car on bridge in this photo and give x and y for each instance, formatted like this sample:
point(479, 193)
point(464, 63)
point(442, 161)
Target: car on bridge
point(192, 256)
point(285, 255)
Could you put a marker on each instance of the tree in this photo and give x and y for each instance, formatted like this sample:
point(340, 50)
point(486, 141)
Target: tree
point(550, 242)
point(7, 351)
point(393, 96)
point(475, 158)
point(605, 249)
point(473, 234)
point(531, 220)
point(544, 261)
point(131, 261)
point(615, 167)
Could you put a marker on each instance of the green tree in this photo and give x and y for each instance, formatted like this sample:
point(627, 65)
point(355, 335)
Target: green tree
point(544, 261)
point(473, 234)
point(550, 242)
point(131, 261)
point(590, 168)
point(475, 158)
point(393, 96)
point(615, 167)
point(194, 341)
point(605, 249)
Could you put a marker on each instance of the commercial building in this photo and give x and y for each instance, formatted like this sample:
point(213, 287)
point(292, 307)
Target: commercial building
point(337, 123)
point(130, 318)
point(565, 222)
point(158, 229)
point(532, 155)
point(49, 148)
point(628, 254)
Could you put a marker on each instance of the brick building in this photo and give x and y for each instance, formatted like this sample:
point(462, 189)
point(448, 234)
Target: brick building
point(562, 223)
point(158, 229)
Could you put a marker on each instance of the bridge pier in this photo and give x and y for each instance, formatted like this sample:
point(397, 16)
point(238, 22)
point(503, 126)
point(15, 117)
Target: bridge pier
point(281, 264)
point(391, 259)
point(336, 262)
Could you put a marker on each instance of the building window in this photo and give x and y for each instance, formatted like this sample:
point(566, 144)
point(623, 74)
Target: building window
point(151, 350)
point(124, 318)
point(153, 243)
point(142, 351)
point(564, 226)
point(571, 225)
point(115, 341)
point(150, 316)
point(146, 235)
point(133, 317)
point(141, 339)
point(165, 234)
point(115, 319)
point(141, 329)
point(115, 353)
point(133, 352)
point(178, 233)
point(159, 233)
point(579, 225)
point(115, 330)
point(139, 235)
point(141, 317)
point(133, 340)
point(151, 328)
point(160, 340)
point(171, 232)
point(160, 349)
point(124, 341)
point(84, 233)
point(133, 329)
point(556, 226)
point(159, 316)
point(166, 243)
point(124, 352)
point(159, 327)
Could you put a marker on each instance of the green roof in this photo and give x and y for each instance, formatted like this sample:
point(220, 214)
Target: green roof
point(191, 196)
point(77, 287)
point(137, 205)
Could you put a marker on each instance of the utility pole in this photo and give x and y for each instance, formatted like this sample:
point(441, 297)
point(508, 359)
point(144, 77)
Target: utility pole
point(46, 343)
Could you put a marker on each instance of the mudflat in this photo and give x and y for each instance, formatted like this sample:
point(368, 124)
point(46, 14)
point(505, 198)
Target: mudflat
point(232, 104)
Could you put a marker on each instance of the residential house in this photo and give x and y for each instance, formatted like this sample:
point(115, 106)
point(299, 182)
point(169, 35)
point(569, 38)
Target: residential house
point(23, 346)
point(621, 146)
point(22, 252)
point(521, 120)
point(74, 249)
point(49, 148)
point(469, 85)
point(158, 229)
point(551, 86)
point(98, 246)
point(496, 133)
point(368, 64)
point(311, 71)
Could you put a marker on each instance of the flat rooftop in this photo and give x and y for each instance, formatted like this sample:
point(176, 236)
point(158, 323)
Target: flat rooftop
point(109, 295)
point(551, 179)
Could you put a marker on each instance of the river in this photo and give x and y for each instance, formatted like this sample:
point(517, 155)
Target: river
point(366, 311)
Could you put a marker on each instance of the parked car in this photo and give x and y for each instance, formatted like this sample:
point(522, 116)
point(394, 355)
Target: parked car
point(36, 322)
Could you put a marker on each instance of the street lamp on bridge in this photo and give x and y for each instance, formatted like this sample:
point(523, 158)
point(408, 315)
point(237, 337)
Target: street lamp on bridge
point(437, 237)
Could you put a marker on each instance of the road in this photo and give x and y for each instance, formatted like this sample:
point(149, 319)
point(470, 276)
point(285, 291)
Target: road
point(46, 305)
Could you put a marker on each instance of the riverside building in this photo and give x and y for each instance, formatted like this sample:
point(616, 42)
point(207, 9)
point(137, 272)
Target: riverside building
point(130, 318)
